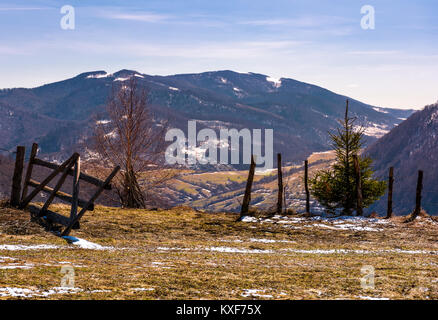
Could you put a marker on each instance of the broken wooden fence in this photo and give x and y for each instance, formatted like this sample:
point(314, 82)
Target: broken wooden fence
point(69, 167)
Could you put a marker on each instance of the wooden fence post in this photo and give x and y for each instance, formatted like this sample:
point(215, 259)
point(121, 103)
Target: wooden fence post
point(33, 154)
point(247, 196)
point(16, 179)
point(359, 209)
point(418, 196)
point(75, 194)
point(306, 185)
point(280, 185)
point(390, 187)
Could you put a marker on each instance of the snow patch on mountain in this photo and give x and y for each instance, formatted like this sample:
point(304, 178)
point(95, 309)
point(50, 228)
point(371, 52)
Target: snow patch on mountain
point(223, 80)
point(376, 130)
point(380, 110)
point(98, 75)
point(276, 82)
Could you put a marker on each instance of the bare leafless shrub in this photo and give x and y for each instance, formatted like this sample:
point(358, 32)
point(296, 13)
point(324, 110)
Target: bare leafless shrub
point(132, 139)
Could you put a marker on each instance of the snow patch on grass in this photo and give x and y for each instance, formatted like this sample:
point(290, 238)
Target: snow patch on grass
point(372, 298)
point(143, 289)
point(16, 266)
point(18, 247)
point(255, 293)
point(336, 223)
point(270, 240)
point(237, 250)
point(84, 244)
point(28, 293)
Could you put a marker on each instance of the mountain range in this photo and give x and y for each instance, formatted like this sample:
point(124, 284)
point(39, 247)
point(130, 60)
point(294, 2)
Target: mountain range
point(411, 146)
point(63, 114)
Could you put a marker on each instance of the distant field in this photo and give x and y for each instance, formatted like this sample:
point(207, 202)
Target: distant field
point(185, 254)
point(223, 190)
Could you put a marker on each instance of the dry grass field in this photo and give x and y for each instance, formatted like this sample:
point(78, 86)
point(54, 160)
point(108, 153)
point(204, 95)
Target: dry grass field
point(185, 254)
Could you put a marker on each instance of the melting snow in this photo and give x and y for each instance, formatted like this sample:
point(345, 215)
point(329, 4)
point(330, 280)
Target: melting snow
point(2, 259)
point(270, 240)
point(249, 219)
point(237, 250)
point(336, 223)
point(13, 266)
point(372, 298)
point(143, 289)
point(27, 293)
point(16, 247)
point(255, 293)
point(84, 244)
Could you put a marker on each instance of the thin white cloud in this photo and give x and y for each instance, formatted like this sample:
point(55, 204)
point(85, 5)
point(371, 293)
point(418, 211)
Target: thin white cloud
point(204, 50)
point(142, 17)
point(376, 52)
point(21, 8)
point(300, 22)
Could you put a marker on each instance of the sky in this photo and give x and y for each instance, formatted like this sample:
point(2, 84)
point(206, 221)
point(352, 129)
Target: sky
point(322, 42)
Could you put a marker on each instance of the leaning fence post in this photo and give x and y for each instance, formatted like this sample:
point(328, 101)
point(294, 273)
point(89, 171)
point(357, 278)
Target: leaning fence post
point(390, 187)
point(16, 179)
point(280, 185)
point(359, 209)
point(247, 196)
point(306, 185)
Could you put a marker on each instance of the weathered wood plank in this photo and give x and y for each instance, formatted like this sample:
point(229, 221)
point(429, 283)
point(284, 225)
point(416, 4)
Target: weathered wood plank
point(83, 176)
point(61, 195)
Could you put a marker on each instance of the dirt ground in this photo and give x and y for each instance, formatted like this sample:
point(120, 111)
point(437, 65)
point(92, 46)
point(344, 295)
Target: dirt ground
point(185, 254)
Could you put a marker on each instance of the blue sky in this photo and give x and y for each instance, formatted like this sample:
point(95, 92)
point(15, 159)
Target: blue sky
point(316, 41)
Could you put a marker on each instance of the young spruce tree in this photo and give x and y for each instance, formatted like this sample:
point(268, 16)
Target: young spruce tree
point(335, 188)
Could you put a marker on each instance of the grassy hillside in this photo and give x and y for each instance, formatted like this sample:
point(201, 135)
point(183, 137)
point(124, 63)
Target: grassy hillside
point(185, 254)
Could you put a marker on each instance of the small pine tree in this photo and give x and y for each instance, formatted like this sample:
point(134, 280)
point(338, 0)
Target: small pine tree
point(335, 188)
